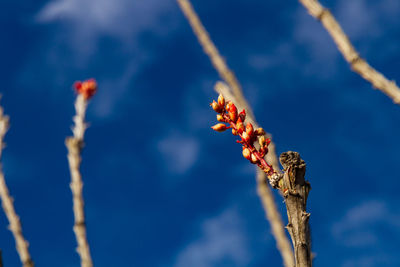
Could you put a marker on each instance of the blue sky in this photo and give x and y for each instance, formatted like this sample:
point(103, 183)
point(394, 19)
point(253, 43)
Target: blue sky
point(162, 189)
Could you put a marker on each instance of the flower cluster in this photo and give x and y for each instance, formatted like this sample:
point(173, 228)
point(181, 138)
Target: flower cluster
point(228, 113)
point(86, 88)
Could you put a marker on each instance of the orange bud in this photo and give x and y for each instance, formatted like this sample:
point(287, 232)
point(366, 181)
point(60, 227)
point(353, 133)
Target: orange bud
point(253, 158)
point(234, 132)
point(220, 127)
point(232, 111)
point(242, 115)
point(262, 141)
point(239, 126)
point(216, 107)
point(246, 153)
point(221, 100)
point(259, 131)
point(246, 137)
point(228, 105)
point(220, 118)
point(249, 129)
point(86, 88)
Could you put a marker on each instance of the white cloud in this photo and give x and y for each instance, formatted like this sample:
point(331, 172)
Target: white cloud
point(322, 51)
point(83, 24)
point(357, 228)
point(115, 18)
point(361, 18)
point(222, 239)
point(84, 21)
point(179, 152)
point(372, 260)
point(112, 92)
point(358, 19)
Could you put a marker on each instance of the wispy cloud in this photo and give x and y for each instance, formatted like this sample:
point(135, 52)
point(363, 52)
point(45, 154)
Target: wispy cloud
point(179, 152)
point(222, 243)
point(88, 19)
point(102, 38)
point(358, 227)
point(372, 260)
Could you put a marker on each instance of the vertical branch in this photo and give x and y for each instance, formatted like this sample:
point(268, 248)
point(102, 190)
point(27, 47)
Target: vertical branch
point(237, 96)
point(7, 203)
point(295, 192)
point(275, 219)
point(74, 145)
point(264, 192)
point(291, 183)
point(349, 53)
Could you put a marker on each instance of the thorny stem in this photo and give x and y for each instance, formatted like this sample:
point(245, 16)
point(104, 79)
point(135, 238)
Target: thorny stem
point(8, 206)
point(75, 145)
point(275, 218)
point(295, 192)
point(291, 184)
point(226, 74)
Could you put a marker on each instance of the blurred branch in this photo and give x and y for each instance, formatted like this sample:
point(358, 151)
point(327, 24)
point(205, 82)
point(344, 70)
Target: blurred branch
point(344, 45)
point(75, 145)
point(7, 203)
point(228, 76)
point(211, 50)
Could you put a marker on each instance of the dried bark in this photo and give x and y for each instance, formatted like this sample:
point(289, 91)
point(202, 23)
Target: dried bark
point(234, 92)
point(295, 191)
point(8, 205)
point(74, 145)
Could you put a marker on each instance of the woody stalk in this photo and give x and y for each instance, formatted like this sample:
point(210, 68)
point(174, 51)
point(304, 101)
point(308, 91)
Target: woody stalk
point(291, 183)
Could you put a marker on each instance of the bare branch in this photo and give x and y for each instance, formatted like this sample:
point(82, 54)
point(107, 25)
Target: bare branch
point(75, 145)
point(275, 219)
point(295, 191)
point(228, 76)
point(344, 45)
point(8, 206)
point(211, 50)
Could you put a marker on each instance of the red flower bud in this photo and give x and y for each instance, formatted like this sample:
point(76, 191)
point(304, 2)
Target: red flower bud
point(86, 88)
point(232, 111)
point(221, 100)
point(262, 141)
point(234, 132)
point(246, 153)
point(259, 131)
point(249, 129)
point(228, 105)
point(216, 107)
point(220, 118)
point(220, 127)
point(77, 85)
point(239, 126)
point(246, 137)
point(253, 159)
point(242, 115)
